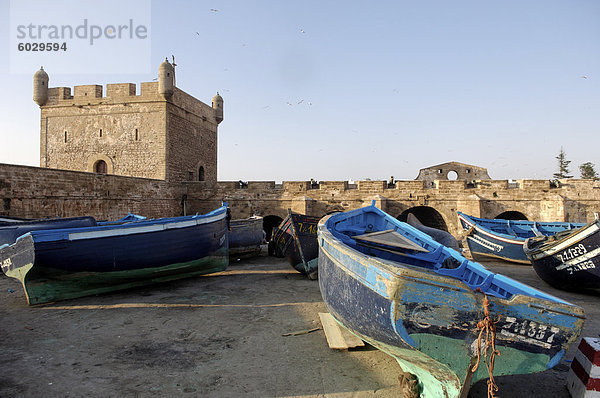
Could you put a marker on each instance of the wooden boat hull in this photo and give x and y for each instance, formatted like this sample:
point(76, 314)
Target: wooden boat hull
point(569, 260)
point(484, 236)
point(428, 322)
point(486, 243)
point(245, 236)
point(296, 240)
point(64, 264)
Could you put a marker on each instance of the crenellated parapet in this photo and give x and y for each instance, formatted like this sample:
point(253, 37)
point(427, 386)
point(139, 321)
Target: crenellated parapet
point(525, 188)
point(565, 200)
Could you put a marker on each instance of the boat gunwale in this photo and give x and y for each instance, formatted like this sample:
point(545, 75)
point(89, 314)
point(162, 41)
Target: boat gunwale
point(547, 249)
point(138, 227)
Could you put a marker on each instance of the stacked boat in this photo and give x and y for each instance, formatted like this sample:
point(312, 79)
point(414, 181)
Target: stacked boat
point(569, 259)
point(505, 238)
point(68, 262)
point(565, 255)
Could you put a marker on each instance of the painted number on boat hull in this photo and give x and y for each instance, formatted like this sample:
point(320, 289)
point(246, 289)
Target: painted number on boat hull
point(304, 228)
point(571, 253)
point(529, 331)
point(6, 263)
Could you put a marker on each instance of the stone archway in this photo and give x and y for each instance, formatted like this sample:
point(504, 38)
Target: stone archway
point(100, 167)
point(511, 215)
point(429, 216)
point(97, 164)
point(270, 222)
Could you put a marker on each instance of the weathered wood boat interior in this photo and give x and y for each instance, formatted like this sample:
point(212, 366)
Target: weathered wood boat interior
point(399, 245)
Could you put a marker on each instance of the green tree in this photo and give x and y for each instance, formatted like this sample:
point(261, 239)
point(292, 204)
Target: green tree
point(587, 171)
point(563, 166)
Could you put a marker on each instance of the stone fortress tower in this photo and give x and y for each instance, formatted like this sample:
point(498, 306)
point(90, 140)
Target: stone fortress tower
point(161, 133)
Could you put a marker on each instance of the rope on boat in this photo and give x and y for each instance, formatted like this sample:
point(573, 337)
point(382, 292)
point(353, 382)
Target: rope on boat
point(488, 326)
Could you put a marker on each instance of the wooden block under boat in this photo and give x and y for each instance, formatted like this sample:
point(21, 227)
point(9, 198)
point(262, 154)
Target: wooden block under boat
point(338, 338)
point(390, 238)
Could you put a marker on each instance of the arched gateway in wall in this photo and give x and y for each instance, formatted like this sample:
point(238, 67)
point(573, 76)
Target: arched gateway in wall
point(427, 215)
point(270, 222)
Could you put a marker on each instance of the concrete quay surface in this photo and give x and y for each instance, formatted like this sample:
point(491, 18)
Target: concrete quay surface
point(220, 335)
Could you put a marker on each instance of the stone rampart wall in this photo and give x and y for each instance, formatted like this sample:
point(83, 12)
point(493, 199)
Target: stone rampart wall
point(39, 192)
point(33, 192)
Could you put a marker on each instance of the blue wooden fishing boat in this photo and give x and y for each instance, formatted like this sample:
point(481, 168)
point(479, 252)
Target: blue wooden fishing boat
point(245, 236)
point(10, 231)
point(569, 260)
point(428, 307)
point(60, 264)
point(505, 238)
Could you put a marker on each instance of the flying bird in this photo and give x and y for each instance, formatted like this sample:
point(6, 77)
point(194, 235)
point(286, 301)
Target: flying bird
point(302, 31)
point(214, 10)
point(301, 101)
point(584, 77)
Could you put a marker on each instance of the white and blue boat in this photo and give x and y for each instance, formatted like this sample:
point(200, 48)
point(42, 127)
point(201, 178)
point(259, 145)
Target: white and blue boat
point(420, 302)
point(66, 263)
point(505, 238)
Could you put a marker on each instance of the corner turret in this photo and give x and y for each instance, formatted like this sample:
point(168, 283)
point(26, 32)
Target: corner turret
point(166, 78)
point(217, 104)
point(40, 87)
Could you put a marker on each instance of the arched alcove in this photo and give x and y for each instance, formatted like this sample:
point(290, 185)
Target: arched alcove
point(429, 216)
point(101, 164)
point(270, 222)
point(100, 167)
point(511, 215)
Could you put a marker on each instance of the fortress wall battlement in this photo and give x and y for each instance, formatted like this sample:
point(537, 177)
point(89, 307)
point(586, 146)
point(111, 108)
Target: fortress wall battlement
point(533, 189)
point(41, 192)
point(92, 94)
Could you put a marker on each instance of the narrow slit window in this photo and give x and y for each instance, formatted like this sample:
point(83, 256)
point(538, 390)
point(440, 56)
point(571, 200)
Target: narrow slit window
point(100, 132)
point(137, 135)
point(65, 135)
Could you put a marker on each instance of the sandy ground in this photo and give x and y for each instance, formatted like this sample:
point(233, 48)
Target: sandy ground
point(220, 335)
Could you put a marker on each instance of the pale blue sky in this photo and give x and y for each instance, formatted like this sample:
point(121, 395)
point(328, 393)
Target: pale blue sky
point(376, 88)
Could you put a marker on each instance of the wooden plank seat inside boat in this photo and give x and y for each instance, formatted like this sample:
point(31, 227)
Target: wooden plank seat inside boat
point(407, 252)
point(389, 239)
point(389, 244)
